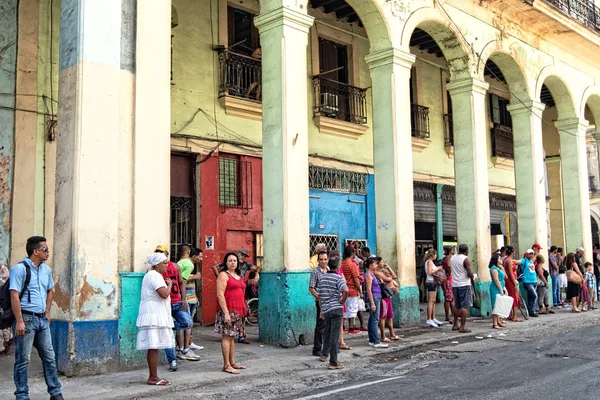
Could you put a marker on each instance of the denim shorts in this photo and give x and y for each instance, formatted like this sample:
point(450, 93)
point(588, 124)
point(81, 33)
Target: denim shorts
point(431, 286)
point(183, 319)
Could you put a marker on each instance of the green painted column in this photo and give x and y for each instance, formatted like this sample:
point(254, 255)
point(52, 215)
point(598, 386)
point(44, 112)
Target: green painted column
point(530, 178)
point(392, 143)
point(471, 174)
point(287, 312)
point(575, 184)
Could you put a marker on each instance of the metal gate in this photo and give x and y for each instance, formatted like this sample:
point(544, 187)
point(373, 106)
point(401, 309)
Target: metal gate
point(182, 224)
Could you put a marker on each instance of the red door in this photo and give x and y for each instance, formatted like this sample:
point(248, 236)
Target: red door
point(238, 239)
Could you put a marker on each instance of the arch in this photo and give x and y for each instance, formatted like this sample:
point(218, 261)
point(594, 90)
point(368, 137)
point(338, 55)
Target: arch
point(456, 52)
point(553, 79)
point(512, 68)
point(591, 98)
point(369, 11)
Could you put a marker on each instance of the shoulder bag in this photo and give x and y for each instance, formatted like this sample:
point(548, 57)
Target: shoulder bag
point(573, 277)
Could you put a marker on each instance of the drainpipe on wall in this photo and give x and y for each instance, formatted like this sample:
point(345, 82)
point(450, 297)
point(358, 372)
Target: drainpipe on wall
point(439, 228)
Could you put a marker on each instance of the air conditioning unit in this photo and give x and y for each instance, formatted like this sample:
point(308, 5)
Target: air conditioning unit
point(329, 104)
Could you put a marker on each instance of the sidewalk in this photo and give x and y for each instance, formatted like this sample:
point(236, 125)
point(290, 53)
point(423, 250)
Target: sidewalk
point(264, 361)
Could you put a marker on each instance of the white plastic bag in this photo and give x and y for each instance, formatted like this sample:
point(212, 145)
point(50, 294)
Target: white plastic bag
point(502, 306)
point(361, 305)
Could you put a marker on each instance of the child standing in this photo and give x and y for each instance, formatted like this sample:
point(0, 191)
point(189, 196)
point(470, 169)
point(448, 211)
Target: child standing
point(590, 283)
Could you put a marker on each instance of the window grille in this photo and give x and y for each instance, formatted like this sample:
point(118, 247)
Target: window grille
point(183, 230)
point(331, 241)
point(235, 183)
point(337, 180)
point(358, 244)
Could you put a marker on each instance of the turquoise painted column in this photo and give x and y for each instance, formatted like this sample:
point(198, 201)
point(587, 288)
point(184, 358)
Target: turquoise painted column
point(471, 174)
point(286, 309)
point(575, 184)
point(530, 176)
point(8, 66)
point(392, 143)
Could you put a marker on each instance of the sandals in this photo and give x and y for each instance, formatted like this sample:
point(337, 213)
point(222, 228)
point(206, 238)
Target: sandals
point(231, 370)
point(497, 326)
point(387, 340)
point(395, 337)
point(345, 347)
point(160, 382)
point(238, 366)
point(464, 331)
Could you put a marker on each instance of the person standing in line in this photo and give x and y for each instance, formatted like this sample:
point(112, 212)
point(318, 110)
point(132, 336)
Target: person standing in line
point(554, 273)
point(562, 275)
point(447, 287)
point(315, 275)
point(332, 292)
point(186, 269)
point(589, 286)
point(542, 286)
point(154, 321)
point(461, 287)
point(573, 289)
point(497, 287)
point(511, 283)
point(179, 311)
point(247, 268)
point(31, 308)
point(374, 294)
point(231, 311)
point(431, 286)
point(530, 281)
point(6, 338)
point(336, 254)
point(386, 317)
point(314, 260)
point(351, 274)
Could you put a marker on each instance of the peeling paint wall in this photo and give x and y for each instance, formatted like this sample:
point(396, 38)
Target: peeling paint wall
point(8, 59)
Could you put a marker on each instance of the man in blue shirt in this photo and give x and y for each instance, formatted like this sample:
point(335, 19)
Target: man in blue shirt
point(530, 282)
point(31, 308)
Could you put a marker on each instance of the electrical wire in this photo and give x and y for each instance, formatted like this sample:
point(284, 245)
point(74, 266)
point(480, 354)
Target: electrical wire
point(496, 76)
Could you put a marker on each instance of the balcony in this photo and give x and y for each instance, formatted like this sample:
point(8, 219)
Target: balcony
point(449, 135)
point(340, 109)
point(582, 11)
point(240, 89)
point(419, 123)
point(503, 152)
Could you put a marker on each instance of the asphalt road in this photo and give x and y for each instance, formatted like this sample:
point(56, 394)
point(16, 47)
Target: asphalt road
point(555, 366)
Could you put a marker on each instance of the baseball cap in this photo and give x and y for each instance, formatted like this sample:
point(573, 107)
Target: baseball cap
point(530, 251)
point(580, 249)
point(536, 246)
point(162, 247)
point(243, 251)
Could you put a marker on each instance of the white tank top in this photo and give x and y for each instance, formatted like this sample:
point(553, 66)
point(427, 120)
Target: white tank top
point(429, 277)
point(459, 272)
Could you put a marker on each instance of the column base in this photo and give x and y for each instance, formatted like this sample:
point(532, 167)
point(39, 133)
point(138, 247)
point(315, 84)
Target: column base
point(286, 309)
point(485, 304)
point(131, 289)
point(406, 306)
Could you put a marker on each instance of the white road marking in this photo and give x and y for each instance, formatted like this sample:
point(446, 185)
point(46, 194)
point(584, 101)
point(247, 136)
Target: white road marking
point(345, 389)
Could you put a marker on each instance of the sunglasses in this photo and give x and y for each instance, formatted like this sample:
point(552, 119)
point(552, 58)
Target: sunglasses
point(44, 249)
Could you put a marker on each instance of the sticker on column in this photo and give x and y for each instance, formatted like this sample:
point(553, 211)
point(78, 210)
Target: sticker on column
point(209, 243)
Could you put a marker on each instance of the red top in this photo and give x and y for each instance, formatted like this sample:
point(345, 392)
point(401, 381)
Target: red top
point(351, 271)
point(234, 296)
point(172, 273)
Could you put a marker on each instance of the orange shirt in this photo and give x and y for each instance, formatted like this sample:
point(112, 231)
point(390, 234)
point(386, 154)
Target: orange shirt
point(351, 271)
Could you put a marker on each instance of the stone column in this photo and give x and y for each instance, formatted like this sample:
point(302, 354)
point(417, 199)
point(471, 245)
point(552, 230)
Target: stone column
point(390, 77)
point(530, 177)
point(286, 309)
point(471, 175)
point(575, 184)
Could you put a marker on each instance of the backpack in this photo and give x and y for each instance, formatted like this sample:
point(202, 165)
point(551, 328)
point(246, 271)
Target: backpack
point(6, 314)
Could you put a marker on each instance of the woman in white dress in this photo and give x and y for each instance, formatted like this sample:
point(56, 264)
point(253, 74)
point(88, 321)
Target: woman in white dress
point(154, 320)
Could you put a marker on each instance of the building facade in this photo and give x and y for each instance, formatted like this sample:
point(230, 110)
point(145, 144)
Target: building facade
point(274, 125)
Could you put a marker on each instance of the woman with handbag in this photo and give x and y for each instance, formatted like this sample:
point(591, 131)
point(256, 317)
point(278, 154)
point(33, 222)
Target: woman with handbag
point(432, 287)
point(386, 317)
point(574, 278)
point(374, 296)
point(497, 287)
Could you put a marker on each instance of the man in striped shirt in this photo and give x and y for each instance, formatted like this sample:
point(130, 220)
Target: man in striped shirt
point(332, 294)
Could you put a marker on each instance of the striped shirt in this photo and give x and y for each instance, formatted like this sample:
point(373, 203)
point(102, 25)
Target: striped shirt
point(330, 287)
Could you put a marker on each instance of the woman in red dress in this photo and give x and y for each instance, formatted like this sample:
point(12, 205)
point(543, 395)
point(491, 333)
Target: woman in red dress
point(512, 286)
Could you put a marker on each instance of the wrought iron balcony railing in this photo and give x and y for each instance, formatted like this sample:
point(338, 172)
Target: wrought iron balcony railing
point(340, 101)
point(583, 11)
point(419, 121)
point(502, 141)
point(241, 76)
point(448, 130)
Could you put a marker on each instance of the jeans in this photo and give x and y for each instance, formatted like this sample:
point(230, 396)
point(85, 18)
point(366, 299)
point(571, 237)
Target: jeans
point(373, 326)
point(556, 300)
point(37, 334)
point(333, 326)
point(183, 319)
point(531, 297)
point(319, 332)
point(170, 353)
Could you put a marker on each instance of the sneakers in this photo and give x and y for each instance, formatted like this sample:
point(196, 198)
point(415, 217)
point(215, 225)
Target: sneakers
point(436, 321)
point(323, 358)
point(380, 346)
point(188, 355)
point(335, 366)
point(432, 324)
point(173, 366)
point(57, 397)
point(196, 347)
